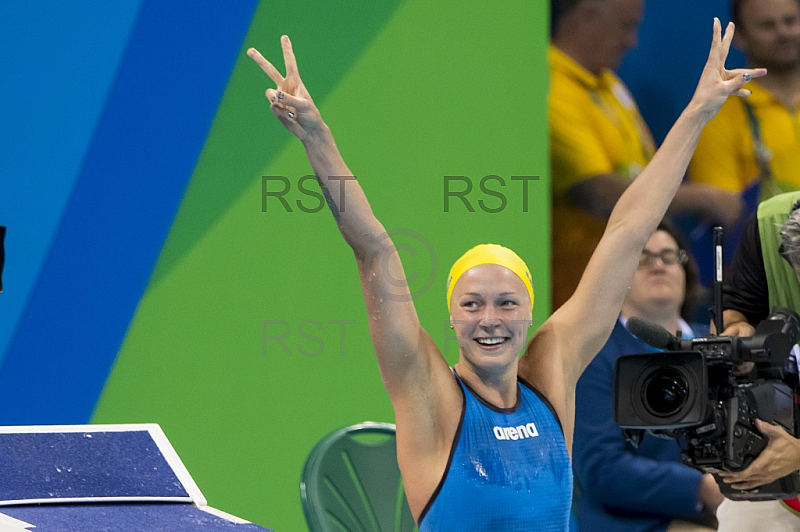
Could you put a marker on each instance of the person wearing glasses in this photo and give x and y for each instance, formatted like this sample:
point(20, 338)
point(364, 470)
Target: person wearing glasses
point(646, 488)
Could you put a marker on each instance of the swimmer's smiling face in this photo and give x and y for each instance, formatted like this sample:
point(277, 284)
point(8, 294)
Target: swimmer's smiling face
point(490, 311)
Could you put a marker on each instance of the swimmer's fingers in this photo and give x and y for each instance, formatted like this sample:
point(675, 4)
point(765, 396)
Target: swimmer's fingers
point(266, 66)
point(288, 117)
point(288, 57)
point(290, 102)
point(741, 76)
point(716, 83)
point(284, 99)
point(299, 115)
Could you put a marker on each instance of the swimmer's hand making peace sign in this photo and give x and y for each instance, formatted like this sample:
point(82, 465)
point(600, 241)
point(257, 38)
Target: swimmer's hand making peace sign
point(290, 101)
point(716, 82)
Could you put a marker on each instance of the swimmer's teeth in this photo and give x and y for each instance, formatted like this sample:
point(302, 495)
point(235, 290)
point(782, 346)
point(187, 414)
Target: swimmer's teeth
point(490, 341)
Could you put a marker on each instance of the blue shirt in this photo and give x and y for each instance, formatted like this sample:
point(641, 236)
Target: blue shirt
point(622, 488)
point(508, 470)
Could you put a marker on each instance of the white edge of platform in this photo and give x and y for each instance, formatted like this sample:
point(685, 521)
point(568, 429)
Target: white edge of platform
point(164, 446)
point(177, 465)
point(224, 515)
point(125, 427)
point(10, 524)
point(70, 500)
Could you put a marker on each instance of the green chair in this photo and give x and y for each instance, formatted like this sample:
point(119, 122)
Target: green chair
point(351, 482)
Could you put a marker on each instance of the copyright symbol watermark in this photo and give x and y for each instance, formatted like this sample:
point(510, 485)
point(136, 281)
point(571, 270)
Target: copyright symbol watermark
point(420, 264)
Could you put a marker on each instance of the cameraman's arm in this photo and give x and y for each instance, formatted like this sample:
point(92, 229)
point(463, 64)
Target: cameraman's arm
point(735, 324)
point(745, 293)
point(779, 458)
point(709, 494)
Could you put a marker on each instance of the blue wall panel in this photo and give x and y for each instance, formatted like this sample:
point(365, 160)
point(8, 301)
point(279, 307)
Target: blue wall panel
point(663, 70)
point(173, 74)
point(58, 60)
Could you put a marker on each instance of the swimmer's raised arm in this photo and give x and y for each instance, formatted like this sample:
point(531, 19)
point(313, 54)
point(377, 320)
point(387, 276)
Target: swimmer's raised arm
point(585, 321)
point(406, 355)
point(291, 103)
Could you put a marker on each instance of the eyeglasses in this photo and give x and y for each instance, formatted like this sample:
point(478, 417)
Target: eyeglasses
point(667, 256)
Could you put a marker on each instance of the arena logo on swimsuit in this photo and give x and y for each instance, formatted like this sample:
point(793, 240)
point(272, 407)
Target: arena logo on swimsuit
point(516, 433)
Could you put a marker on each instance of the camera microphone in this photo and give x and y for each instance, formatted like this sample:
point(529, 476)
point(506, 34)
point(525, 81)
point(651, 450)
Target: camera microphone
point(653, 335)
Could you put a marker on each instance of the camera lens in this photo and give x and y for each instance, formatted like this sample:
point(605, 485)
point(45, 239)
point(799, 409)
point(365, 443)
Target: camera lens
point(665, 392)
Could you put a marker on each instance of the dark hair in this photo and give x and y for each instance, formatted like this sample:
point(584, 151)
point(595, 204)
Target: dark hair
point(559, 8)
point(736, 12)
point(694, 293)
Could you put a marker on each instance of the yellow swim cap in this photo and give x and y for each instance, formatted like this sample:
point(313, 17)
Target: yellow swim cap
point(489, 254)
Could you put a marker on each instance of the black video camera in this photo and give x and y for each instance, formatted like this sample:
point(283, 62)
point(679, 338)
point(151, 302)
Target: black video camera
point(692, 392)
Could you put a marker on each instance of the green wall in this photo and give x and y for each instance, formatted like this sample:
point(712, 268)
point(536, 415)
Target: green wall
point(414, 91)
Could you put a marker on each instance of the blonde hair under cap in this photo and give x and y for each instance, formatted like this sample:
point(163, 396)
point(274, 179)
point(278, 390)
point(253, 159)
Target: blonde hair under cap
point(489, 254)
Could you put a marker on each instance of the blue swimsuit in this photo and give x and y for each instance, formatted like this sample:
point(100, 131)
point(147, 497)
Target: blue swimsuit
point(509, 469)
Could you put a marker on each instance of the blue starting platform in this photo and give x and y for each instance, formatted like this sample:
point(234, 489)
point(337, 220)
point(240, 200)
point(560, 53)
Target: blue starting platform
point(120, 478)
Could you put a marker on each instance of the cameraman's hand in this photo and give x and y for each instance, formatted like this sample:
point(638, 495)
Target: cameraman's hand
point(779, 458)
point(737, 325)
point(740, 328)
point(709, 493)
